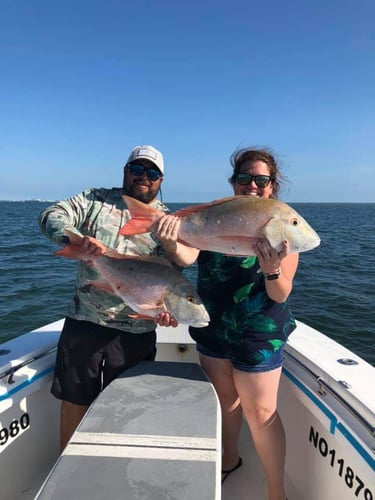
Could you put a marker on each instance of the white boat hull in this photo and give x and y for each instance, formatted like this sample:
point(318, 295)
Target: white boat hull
point(327, 408)
point(29, 415)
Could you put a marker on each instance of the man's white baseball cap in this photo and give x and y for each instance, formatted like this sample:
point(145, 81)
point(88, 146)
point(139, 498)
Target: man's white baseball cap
point(147, 153)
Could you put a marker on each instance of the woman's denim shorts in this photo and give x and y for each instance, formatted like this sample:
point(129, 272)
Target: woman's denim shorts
point(273, 362)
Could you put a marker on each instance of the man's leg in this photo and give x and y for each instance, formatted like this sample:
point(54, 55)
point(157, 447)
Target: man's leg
point(70, 417)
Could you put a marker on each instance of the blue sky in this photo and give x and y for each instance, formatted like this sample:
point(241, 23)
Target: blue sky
point(83, 82)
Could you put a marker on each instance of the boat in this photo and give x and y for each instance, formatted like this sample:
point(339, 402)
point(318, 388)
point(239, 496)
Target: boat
point(154, 433)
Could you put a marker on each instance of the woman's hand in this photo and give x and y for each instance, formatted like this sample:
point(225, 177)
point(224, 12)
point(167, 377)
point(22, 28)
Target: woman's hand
point(269, 258)
point(283, 264)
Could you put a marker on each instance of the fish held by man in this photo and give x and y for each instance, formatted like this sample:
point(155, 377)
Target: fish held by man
point(148, 285)
point(230, 225)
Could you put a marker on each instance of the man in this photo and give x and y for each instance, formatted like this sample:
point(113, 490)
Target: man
point(99, 340)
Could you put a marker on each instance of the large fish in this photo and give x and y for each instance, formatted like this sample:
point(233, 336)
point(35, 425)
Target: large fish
point(230, 225)
point(149, 285)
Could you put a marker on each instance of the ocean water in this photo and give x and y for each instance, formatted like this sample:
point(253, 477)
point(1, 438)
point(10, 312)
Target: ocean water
point(334, 288)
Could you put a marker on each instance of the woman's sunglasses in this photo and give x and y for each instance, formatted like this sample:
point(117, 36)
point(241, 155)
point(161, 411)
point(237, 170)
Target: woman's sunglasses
point(137, 170)
point(261, 181)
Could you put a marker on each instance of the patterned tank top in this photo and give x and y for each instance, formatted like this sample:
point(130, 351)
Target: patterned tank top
point(245, 323)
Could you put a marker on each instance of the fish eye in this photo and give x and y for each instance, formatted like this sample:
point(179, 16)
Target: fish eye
point(190, 298)
point(295, 222)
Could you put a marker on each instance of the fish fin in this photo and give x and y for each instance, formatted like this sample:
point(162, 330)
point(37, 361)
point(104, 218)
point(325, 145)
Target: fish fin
point(142, 217)
point(74, 251)
point(136, 225)
point(109, 252)
point(101, 285)
point(138, 208)
point(76, 239)
point(71, 251)
point(157, 309)
point(140, 316)
point(183, 212)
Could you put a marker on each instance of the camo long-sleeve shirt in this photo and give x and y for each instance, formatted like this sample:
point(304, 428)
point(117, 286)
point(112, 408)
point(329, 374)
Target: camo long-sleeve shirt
point(99, 213)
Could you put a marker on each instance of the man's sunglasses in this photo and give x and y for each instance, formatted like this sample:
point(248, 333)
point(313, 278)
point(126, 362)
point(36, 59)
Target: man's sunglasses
point(137, 170)
point(261, 181)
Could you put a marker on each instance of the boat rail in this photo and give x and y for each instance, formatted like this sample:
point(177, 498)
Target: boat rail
point(325, 386)
point(13, 369)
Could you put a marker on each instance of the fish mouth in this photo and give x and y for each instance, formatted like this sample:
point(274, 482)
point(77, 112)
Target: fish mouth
point(311, 246)
point(200, 324)
point(203, 320)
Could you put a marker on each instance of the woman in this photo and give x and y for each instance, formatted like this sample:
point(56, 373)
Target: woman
point(241, 349)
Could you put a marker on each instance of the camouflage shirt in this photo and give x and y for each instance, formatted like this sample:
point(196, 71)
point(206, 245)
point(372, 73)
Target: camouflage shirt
point(99, 213)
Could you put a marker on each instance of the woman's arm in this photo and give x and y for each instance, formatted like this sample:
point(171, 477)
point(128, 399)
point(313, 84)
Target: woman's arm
point(280, 265)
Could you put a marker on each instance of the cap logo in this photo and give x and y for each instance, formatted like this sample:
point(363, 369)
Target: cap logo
point(146, 152)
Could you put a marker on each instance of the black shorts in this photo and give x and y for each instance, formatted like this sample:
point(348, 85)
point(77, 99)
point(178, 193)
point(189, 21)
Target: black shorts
point(90, 356)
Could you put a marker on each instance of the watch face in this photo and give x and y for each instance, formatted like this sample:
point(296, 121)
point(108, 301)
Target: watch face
point(274, 276)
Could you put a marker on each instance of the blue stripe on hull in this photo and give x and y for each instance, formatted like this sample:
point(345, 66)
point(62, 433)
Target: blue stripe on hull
point(333, 420)
point(27, 383)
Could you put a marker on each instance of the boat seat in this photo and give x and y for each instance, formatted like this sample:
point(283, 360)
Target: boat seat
point(153, 433)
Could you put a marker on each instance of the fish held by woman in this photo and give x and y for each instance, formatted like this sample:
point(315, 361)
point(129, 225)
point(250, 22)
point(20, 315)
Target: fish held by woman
point(148, 285)
point(230, 225)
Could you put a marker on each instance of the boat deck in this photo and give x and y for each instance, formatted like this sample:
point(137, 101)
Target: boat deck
point(248, 482)
point(325, 402)
point(154, 433)
point(172, 437)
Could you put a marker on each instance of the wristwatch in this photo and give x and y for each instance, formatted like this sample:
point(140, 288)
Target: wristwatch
point(272, 276)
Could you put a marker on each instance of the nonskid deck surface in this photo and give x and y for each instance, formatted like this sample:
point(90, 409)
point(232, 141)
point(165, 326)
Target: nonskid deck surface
point(154, 433)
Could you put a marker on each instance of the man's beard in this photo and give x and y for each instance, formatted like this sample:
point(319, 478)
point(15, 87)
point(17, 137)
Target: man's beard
point(145, 197)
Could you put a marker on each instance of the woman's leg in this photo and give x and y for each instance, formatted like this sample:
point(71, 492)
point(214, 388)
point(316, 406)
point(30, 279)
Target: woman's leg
point(220, 373)
point(258, 395)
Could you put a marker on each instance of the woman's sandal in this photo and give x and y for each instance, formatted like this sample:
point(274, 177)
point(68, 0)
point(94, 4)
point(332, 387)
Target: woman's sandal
point(229, 471)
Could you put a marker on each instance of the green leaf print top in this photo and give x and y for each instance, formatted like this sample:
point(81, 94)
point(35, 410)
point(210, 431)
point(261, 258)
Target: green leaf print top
point(246, 324)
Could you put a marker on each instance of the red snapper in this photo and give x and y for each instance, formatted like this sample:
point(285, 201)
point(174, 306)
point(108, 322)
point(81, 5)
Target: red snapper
point(230, 225)
point(149, 285)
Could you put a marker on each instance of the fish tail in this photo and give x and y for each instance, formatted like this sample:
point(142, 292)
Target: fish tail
point(143, 217)
point(137, 225)
point(71, 251)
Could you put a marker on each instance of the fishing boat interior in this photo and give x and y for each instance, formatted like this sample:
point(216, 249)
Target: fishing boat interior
point(155, 432)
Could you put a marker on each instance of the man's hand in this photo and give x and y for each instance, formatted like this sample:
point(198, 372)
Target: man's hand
point(93, 246)
point(165, 319)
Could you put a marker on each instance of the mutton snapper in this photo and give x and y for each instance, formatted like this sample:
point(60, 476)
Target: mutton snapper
point(148, 285)
point(230, 225)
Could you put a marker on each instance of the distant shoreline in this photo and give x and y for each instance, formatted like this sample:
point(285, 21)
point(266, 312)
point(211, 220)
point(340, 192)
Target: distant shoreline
point(199, 202)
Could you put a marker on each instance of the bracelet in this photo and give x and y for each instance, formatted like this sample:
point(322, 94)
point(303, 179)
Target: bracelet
point(272, 276)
